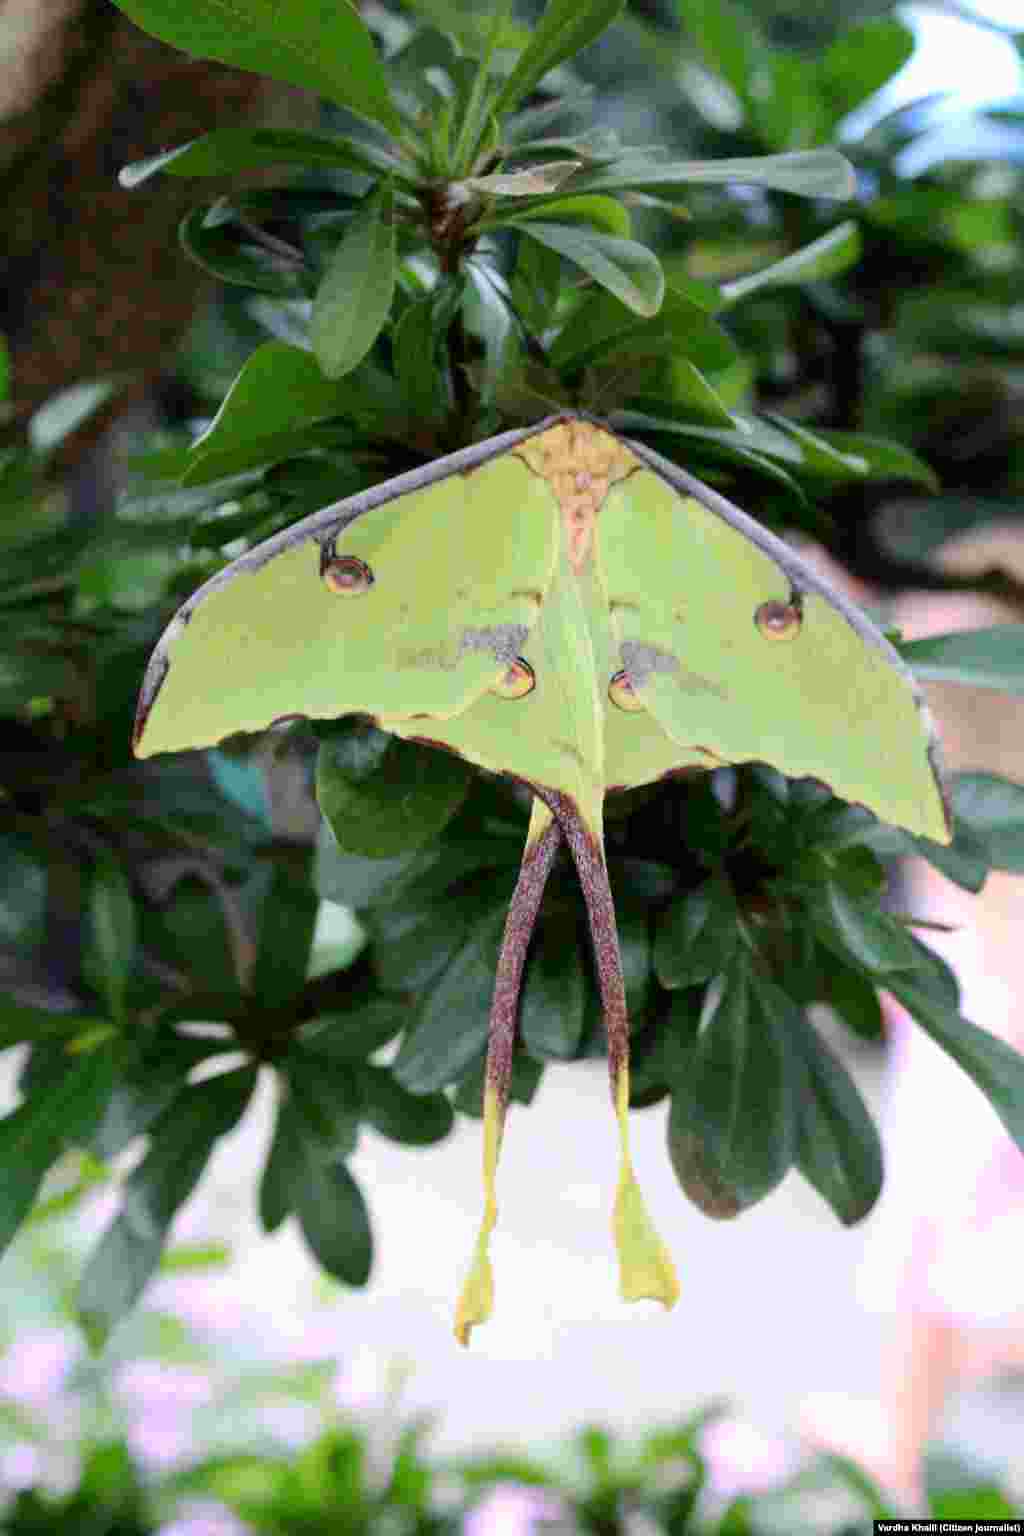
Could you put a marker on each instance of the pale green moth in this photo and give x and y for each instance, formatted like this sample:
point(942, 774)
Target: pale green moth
point(567, 606)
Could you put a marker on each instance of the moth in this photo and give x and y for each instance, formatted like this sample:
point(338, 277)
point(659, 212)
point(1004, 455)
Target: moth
point(564, 605)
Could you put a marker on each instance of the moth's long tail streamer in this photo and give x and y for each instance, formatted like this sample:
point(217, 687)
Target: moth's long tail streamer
point(542, 840)
point(645, 1265)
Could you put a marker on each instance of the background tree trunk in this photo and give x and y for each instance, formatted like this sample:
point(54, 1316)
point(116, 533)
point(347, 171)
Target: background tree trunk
point(92, 279)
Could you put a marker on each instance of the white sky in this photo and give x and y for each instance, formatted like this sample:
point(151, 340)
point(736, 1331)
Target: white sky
point(968, 62)
point(952, 54)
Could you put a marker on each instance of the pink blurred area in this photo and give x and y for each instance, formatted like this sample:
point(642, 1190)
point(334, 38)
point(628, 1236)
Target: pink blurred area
point(740, 1458)
point(943, 1262)
point(513, 1509)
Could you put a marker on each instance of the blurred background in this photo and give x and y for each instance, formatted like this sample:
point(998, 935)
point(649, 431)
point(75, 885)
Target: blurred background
point(859, 1339)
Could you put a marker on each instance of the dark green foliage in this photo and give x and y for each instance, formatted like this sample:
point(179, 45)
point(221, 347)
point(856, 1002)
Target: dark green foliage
point(382, 796)
point(181, 1143)
point(733, 1129)
point(477, 250)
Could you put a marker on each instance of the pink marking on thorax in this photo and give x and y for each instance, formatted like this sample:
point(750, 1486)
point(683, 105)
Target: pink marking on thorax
point(580, 461)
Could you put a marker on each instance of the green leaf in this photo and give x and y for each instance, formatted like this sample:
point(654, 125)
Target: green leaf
point(705, 826)
point(487, 312)
point(151, 1074)
point(536, 284)
point(180, 1145)
point(728, 39)
point(325, 1097)
point(606, 214)
point(450, 1029)
point(334, 1218)
point(305, 485)
point(863, 932)
point(189, 931)
point(416, 1119)
point(696, 938)
point(187, 1258)
point(411, 947)
point(882, 459)
point(471, 25)
point(417, 349)
point(243, 149)
point(110, 947)
point(282, 1171)
point(287, 920)
point(965, 860)
point(628, 270)
point(554, 990)
point(690, 390)
point(213, 239)
point(478, 132)
point(353, 301)
point(355, 881)
point(368, 1020)
point(785, 110)
point(819, 456)
point(29, 676)
point(992, 809)
point(328, 51)
point(825, 257)
point(20, 1021)
point(659, 1056)
point(859, 872)
point(635, 945)
point(935, 976)
point(985, 658)
point(702, 449)
point(526, 1075)
point(860, 61)
point(996, 1068)
point(272, 402)
point(602, 327)
point(565, 28)
point(806, 172)
point(838, 1147)
point(954, 320)
point(383, 797)
point(735, 1114)
point(414, 345)
point(35, 1134)
point(855, 999)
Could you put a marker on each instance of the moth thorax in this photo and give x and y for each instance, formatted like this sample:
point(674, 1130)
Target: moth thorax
point(580, 462)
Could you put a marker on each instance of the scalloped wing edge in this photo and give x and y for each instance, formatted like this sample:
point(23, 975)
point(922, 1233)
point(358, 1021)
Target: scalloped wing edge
point(319, 527)
point(805, 579)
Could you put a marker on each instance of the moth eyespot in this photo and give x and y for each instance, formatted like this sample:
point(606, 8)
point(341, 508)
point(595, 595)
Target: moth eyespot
point(518, 681)
point(622, 693)
point(346, 576)
point(778, 621)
